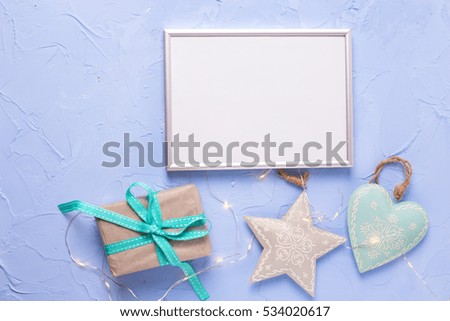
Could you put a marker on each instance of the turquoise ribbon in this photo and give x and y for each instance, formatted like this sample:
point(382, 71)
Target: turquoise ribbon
point(153, 229)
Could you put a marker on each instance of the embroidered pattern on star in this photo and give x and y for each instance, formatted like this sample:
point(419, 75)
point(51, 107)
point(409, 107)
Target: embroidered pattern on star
point(291, 245)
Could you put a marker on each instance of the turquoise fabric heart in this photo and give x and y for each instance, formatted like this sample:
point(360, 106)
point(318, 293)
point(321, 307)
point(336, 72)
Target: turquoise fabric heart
point(380, 229)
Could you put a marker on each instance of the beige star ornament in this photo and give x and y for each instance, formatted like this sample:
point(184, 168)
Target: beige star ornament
point(291, 245)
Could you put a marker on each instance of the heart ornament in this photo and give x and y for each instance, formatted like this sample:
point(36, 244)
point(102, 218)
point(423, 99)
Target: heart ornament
point(380, 228)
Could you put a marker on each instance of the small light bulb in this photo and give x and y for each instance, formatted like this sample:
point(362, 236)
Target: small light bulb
point(219, 259)
point(226, 205)
point(374, 240)
point(264, 175)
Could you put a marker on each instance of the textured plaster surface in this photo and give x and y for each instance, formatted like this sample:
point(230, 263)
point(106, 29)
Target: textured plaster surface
point(77, 74)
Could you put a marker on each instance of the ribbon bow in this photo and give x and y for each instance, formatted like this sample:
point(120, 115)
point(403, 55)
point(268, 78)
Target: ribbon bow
point(153, 230)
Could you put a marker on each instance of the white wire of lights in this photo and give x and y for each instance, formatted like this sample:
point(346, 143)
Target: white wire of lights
point(221, 261)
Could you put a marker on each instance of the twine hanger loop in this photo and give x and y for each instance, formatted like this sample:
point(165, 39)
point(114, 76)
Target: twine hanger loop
point(293, 179)
point(400, 189)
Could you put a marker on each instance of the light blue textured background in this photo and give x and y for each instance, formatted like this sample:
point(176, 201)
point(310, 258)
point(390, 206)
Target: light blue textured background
point(76, 74)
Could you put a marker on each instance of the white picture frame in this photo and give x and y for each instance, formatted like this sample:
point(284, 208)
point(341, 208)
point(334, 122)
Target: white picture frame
point(227, 85)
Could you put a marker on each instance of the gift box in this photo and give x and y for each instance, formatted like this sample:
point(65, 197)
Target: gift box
point(162, 228)
point(176, 202)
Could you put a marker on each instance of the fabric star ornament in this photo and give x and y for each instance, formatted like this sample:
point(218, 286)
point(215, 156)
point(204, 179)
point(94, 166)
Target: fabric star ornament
point(291, 245)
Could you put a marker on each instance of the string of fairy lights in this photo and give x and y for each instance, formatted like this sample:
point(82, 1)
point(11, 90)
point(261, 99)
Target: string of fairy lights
point(220, 260)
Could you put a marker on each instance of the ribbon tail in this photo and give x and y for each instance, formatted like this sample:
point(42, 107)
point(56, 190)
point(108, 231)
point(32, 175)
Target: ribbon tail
point(188, 270)
point(194, 280)
point(103, 214)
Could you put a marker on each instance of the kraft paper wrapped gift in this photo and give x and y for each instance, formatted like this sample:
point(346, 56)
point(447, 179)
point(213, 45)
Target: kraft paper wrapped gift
point(176, 202)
